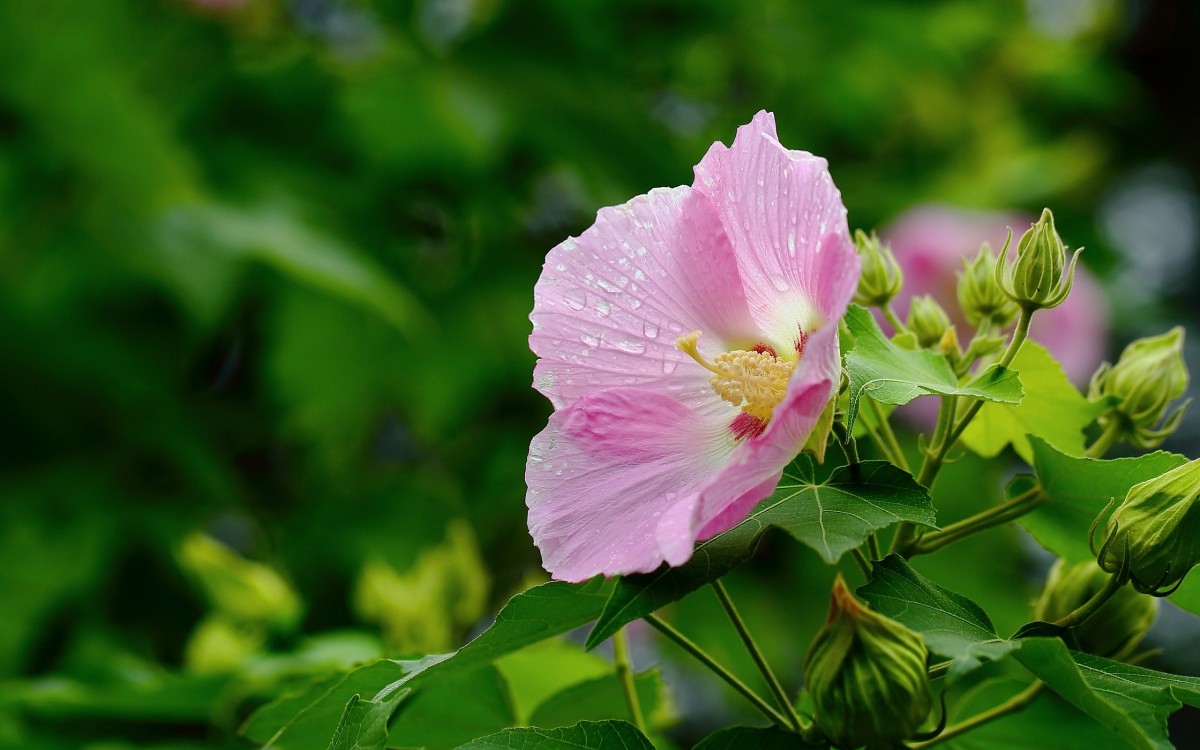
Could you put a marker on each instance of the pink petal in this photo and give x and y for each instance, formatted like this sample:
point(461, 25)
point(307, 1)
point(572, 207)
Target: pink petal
point(610, 304)
point(755, 467)
point(787, 224)
point(606, 469)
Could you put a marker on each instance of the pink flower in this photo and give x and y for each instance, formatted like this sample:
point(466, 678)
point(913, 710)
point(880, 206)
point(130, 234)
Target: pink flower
point(688, 342)
point(929, 242)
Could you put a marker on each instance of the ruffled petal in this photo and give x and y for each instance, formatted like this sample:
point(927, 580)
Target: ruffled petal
point(606, 469)
point(610, 304)
point(755, 467)
point(786, 221)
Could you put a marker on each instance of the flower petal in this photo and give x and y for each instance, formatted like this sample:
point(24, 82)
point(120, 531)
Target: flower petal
point(756, 466)
point(610, 304)
point(606, 469)
point(787, 224)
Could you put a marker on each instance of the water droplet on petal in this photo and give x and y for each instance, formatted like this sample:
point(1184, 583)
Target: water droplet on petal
point(603, 308)
point(668, 366)
point(575, 298)
point(650, 329)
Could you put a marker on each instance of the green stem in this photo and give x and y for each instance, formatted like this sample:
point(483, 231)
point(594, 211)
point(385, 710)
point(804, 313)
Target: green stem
point(885, 428)
point(995, 516)
point(873, 546)
point(849, 447)
point(1014, 345)
point(1093, 605)
point(940, 670)
point(768, 674)
point(625, 674)
point(1012, 705)
point(863, 563)
point(1107, 439)
point(890, 313)
point(699, 654)
point(906, 531)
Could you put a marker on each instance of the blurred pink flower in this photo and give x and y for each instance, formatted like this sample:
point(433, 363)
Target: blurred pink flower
point(929, 242)
point(688, 341)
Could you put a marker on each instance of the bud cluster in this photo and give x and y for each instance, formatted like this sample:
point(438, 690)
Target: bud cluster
point(1035, 279)
point(1147, 378)
point(881, 278)
point(1154, 536)
point(980, 298)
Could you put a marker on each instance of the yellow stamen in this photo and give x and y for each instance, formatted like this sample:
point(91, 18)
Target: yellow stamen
point(754, 381)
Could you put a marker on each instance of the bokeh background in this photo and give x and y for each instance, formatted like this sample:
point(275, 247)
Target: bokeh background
point(265, 267)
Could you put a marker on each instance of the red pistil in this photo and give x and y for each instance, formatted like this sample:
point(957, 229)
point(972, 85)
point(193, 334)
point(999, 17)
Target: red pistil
point(800, 343)
point(765, 349)
point(747, 426)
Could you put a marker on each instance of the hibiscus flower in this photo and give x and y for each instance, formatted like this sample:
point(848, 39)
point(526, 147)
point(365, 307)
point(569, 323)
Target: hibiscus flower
point(688, 342)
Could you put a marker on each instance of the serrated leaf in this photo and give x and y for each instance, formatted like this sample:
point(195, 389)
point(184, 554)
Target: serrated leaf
point(364, 723)
point(1132, 702)
point(586, 735)
point(952, 625)
point(443, 715)
point(602, 698)
point(831, 517)
point(306, 719)
point(1077, 490)
point(892, 375)
point(1052, 409)
point(739, 738)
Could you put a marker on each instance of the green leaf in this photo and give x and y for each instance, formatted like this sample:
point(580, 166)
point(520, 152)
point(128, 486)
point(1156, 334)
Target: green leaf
point(602, 698)
point(831, 517)
point(364, 723)
point(455, 710)
point(1131, 701)
point(306, 719)
point(892, 375)
point(738, 738)
point(544, 669)
point(1077, 491)
point(952, 625)
point(586, 735)
point(1052, 410)
point(838, 515)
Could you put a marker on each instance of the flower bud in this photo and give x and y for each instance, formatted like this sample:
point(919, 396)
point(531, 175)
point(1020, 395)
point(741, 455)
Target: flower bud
point(867, 676)
point(1116, 628)
point(1158, 528)
point(881, 277)
point(979, 296)
point(928, 321)
point(1149, 375)
point(1035, 280)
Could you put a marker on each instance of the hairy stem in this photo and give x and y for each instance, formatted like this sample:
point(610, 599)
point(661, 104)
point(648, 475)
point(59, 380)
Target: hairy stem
point(624, 668)
point(890, 313)
point(768, 674)
point(1093, 605)
point(885, 429)
point(711, 664)
point(1012, 705)
point(994, 516)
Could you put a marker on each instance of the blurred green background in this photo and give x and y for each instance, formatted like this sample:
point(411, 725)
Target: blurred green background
point(265, 268)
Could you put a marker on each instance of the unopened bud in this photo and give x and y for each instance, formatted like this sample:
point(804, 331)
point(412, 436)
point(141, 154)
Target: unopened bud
point(979, 296)
point(1158, 529)
point(1035, 279)
point(881, 277)
point(1149, 375)
point(1115, 630)
point(928, 321)
point(867, 676)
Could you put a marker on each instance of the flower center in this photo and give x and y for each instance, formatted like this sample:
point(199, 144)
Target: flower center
point(754, 380)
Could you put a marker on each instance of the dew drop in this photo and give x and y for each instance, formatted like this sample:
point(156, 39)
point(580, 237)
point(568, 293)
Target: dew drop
point(603, 308)
point(575, 298)
point(650, 329)
point(668, 366)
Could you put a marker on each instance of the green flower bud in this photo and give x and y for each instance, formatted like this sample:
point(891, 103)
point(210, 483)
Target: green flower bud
point(1149, 375)
point(979, 296)
point(1035, 280)
point(867, 676)
point(1116, 629)
point(1158, 527)
point(243, 590)
point(881, 277)
point(928, 321)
